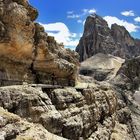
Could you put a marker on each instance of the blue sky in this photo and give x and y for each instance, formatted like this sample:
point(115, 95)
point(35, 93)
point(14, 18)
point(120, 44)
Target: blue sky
point(64, 18)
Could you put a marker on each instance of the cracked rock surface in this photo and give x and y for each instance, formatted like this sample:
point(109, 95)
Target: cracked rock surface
point(26, 48)
point(86, 114)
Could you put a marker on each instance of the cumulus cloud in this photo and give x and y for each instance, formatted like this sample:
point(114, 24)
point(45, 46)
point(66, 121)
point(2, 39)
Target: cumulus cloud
point(92, 11)
point(128, 13)
point(79, 21)
point(73, 15)
point(89, 11)
point(61, 33)
point(129, 26)
point(137, 19)
point(70, 12)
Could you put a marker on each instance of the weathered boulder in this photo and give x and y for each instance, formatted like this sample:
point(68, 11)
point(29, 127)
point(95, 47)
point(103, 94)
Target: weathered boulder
point(15, 128)
point(27, 52)
point(53, 63)
point(128, 76)
point(101, 67)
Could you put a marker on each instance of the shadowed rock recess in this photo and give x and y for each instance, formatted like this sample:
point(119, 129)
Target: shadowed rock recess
point(61, 104)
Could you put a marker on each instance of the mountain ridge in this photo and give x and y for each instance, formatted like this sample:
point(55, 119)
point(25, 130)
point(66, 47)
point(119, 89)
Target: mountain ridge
point(99, 38)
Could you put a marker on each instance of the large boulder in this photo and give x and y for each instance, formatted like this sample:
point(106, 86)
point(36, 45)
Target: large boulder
point(101, 67)
point(15, 128)
point(128, 75)
point(27, 53)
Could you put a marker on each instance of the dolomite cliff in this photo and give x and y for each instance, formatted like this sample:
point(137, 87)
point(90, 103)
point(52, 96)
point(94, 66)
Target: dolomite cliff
point(99, 38)
point(27, 53)
point(101, 110)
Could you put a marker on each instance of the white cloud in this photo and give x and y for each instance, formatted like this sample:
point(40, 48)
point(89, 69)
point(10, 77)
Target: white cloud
point(73, 16)
point(129, 26)
point(92, 11)
point(89, 11)
point(61, 33)
point(79, 21)
point(73, 35)
point(128, 13)
point(85, 10)
point(137, 19)
point(84, 22)
point(80, 34)
point(70, 12)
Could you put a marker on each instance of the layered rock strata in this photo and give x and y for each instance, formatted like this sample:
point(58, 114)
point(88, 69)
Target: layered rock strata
point(84, 114)
point(13, 127)
point(27, 53)
point(101, 67)
point(100, 111)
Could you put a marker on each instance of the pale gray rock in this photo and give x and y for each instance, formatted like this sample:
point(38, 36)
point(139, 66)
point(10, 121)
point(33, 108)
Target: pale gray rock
point(101, 67)
point(66, 112)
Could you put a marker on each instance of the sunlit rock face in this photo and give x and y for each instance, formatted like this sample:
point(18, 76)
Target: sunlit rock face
point(101, 67)
point(99, 38)
point(27, 52)
point(98, 112)
point(66, 112)
point(14, 127)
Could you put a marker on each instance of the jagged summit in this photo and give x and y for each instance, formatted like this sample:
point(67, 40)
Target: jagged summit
point(99, 38)
point(95, 16)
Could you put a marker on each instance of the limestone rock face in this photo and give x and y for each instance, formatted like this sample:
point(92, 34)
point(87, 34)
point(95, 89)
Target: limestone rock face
point(99, 38)
point(129, 74)
point(27, 52)
point(66, 112)
point(96, 112)
point(53, 63)
point(13, 127)
point(101, 67)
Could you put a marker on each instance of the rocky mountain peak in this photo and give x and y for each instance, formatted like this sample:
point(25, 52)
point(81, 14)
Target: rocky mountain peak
point(99, 38)
point(121, 35)
point(93, 22)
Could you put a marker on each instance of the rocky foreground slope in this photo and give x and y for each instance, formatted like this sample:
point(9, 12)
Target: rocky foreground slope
point(99, 38)
point(91, 113)
point(12, 126)
point(102, 110)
